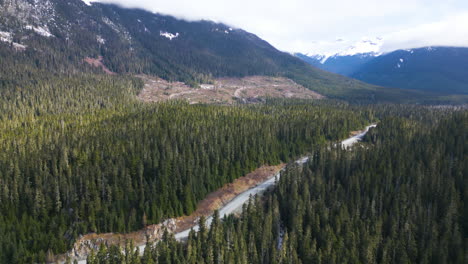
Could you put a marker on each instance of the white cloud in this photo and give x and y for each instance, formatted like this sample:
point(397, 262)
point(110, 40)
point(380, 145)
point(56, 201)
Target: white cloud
point(301, 25)
point(452, 31)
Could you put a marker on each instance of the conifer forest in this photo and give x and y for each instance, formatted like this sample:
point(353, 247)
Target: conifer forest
point(82, 154)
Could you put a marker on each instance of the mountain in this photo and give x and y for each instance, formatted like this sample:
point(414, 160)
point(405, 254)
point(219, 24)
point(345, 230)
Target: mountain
point(57, 36)
point(343, 56)
point(342, 64)
point(435, 69)
point(440, 70)
point(136, 41)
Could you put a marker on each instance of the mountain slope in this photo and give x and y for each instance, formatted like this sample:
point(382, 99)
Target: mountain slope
point(342, 64)
point(441, 70)
point(57, 35)
point(438, 69)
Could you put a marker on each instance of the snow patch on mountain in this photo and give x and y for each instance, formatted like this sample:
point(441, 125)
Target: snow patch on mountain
point(324, 59)
point(168, 35)
point(100, 39)
point(366, 45)
point(88, 2)
point(19, 47)
point(321, 58)
point(5, 36)
point(43, 31)
point(111, 24)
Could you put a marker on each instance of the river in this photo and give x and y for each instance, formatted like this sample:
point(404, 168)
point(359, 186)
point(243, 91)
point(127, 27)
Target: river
point(236, 204)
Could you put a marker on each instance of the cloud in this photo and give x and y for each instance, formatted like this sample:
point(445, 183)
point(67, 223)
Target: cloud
point(452, 31)
point(300, 25)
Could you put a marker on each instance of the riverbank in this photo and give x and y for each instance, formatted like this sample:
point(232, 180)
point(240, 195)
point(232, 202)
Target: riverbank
point(227, 200)
point(356, 136)
point(213, 201)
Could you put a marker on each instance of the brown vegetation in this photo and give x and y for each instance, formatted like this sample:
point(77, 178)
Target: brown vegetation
point(97, 63)
point(206, 207)
point(224, 195)
point(225, 90)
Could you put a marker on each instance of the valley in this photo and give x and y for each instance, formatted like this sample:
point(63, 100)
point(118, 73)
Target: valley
point(227, 200)
point(122, 129)
point(213, 201)
point(336, 192)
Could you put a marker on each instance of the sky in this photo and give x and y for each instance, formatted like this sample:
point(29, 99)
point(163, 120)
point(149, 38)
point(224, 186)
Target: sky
point(329, 26)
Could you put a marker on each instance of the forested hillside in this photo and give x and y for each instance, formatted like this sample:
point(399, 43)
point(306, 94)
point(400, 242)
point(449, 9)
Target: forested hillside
point(399, 199)
point(80, 154)
point(57, 35)
point(432, 69)
point(436, 70)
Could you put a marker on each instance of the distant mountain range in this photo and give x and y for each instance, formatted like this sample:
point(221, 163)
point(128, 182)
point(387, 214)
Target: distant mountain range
point(342, 64)
point(431, 69)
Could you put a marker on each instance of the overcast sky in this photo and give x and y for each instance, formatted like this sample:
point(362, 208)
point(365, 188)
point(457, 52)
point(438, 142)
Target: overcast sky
point(315, 26)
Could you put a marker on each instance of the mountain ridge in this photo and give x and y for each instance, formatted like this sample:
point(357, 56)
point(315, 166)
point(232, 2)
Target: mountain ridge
point(435, 69)
point(341, 47)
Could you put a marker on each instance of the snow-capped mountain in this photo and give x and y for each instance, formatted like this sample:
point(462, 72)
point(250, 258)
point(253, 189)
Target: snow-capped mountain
point(339, 48)
point(344, 65)
point(435, 69)
point(342, 56)
point(365, 46)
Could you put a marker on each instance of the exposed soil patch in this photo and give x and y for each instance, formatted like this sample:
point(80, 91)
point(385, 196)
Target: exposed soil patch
point(225, 90)
point(97, 63)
